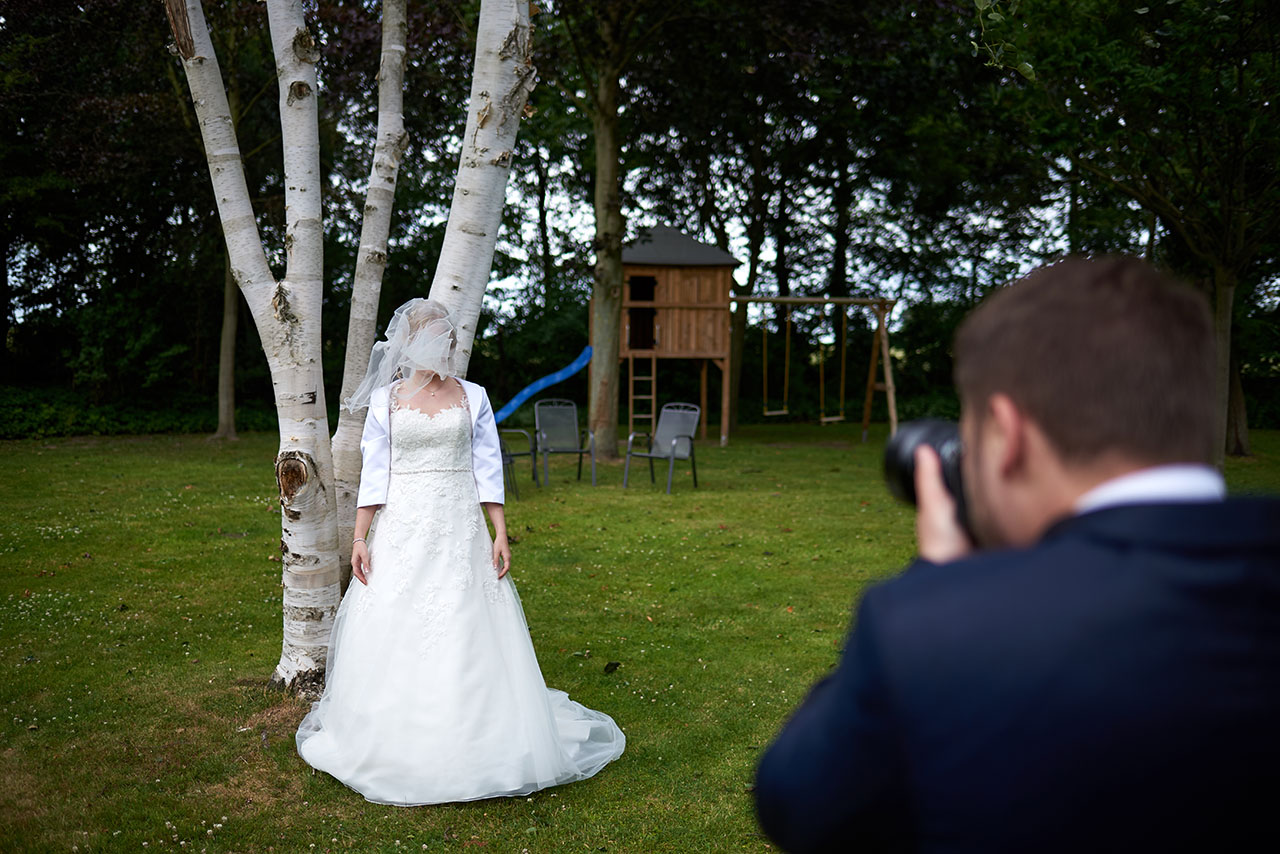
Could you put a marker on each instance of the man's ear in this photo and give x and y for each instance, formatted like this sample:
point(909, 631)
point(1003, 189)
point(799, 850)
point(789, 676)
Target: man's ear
point(1010, 426)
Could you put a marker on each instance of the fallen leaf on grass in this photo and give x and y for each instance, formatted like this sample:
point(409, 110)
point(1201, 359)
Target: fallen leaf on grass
point(612, 666)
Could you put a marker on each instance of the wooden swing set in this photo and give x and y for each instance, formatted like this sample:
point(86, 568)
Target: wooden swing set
point(879, 356)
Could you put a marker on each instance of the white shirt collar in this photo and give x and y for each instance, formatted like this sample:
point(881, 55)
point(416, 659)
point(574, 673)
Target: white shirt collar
point(1182, 482)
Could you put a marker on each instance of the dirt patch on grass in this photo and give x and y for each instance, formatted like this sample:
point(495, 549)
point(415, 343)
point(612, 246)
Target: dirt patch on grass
point(284, 716)
point(258, 786)
point(260, 783)
point(22, 801)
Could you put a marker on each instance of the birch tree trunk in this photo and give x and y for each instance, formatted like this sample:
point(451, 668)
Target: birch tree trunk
point(371, 263)
point(230, 303)
point(500, 86)
point(286, 313)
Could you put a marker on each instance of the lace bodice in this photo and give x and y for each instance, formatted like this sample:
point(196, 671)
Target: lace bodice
point(421, 442)
point(432, 509)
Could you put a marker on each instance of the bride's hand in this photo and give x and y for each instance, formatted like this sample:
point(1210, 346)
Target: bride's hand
point(360, 566)
point(501, 555)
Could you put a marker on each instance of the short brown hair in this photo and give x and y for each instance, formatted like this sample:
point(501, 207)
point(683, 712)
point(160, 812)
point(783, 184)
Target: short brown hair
point(1105, 355)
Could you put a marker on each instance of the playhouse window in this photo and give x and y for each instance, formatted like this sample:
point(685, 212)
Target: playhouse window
point(641, 320)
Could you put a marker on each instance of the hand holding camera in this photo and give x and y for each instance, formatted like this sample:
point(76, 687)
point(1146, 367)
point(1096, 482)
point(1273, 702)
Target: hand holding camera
point(922, 467)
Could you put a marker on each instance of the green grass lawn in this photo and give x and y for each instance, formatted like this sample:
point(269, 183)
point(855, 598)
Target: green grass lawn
point(140, 622)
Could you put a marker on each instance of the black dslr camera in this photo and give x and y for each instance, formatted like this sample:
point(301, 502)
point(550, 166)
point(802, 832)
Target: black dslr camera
point(900, 461)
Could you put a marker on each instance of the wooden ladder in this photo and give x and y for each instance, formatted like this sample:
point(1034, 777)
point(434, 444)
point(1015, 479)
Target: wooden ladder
point(651, 397)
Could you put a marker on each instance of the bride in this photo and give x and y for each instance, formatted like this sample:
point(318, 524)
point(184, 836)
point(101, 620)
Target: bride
point(433, 690)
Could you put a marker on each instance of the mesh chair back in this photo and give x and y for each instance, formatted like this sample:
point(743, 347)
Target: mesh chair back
point(556, 419)
point(675, 419)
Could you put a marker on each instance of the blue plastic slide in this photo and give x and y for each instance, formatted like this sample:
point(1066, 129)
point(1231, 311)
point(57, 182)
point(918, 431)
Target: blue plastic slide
point(549, 380)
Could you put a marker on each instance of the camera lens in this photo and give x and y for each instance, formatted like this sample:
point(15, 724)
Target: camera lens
point(900, 459)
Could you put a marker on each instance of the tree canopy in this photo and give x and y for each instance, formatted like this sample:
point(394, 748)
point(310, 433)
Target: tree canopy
point(834, 148)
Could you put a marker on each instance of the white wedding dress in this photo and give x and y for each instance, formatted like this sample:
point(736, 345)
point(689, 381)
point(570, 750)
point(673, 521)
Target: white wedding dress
point(433, 690)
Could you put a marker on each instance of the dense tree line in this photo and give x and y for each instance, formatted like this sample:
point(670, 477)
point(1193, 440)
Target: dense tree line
point(834, 148)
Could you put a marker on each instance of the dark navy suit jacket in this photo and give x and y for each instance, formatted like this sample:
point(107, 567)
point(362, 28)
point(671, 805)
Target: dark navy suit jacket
point(1114, 688)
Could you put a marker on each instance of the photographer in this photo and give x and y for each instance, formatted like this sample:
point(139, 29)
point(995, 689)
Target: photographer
point(1096, 667)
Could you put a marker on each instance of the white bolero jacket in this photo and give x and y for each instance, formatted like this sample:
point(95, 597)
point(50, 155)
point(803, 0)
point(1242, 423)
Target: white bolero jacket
point(375, 447)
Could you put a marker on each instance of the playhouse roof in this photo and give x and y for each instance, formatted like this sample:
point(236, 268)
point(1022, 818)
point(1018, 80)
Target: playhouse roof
point(664, 246)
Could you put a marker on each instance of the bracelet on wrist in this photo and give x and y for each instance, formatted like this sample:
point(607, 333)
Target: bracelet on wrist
point(359, 540)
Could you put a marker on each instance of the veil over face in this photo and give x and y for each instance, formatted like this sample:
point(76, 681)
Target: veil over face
point(420, 344)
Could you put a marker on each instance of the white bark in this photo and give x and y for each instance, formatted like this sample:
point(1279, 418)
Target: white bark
point(287, 315)
point(504, 76)
point(226, 170)
point(371, 262)
point(304, 466)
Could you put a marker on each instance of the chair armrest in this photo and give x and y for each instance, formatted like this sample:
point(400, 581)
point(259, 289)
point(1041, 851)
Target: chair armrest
point(591, 442)
point(675, 440)
point(524, 433)
point(631, 438)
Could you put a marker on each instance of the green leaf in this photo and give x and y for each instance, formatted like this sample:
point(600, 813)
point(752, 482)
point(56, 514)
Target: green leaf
point(995, 17)
point(1142, 10)
point(1025, 69)
point(983, 5)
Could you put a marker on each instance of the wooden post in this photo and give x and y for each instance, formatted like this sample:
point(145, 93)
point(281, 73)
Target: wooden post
point(822, 384)
point(704, 399)
point(871, 377)
point(723, 365)
point(844, 355)
point(888, 373)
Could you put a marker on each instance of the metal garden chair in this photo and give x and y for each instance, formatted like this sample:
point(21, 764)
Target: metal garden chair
point(671, 441)
point(508, 457)
point(556, 422)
